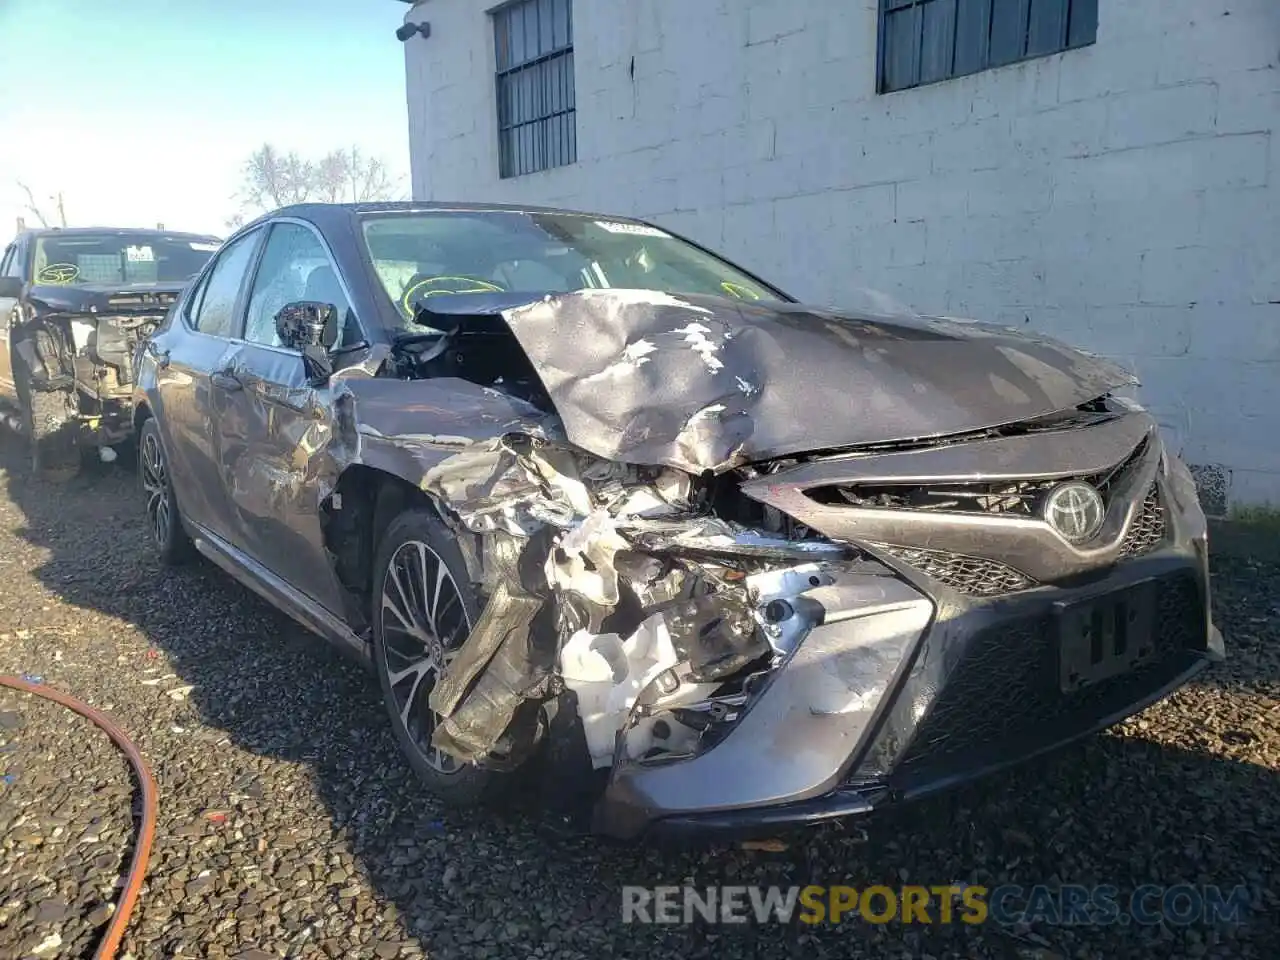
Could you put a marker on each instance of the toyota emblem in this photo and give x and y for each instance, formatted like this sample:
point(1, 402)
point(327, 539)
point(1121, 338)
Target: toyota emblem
point(1075, 510)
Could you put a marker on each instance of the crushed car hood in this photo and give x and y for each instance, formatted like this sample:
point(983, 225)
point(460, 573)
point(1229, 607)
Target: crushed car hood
point(706, 383)
point(116, 298)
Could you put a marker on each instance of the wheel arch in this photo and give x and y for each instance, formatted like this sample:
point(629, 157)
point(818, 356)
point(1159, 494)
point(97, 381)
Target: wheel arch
point(141, 414)
point(354, 516)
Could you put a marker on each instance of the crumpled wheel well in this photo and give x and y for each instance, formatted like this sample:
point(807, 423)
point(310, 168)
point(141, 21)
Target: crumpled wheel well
point(353, 518)
point(141, 414)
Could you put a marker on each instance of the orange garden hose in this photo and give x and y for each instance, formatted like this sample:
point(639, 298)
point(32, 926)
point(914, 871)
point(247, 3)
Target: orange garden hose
point(146, 833)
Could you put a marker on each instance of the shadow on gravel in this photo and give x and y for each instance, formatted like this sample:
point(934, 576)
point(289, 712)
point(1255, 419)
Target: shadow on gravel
point(1162, 802)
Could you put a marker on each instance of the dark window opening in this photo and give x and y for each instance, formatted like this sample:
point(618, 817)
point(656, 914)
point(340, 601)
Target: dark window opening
point(924, 41)
point(537, 127)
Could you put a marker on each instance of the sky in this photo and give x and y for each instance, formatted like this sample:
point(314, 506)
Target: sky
point(143, 111)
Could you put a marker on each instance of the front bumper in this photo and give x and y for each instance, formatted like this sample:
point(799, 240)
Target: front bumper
point(972, 688)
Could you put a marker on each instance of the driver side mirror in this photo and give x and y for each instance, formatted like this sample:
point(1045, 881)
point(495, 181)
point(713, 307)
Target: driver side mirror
point(11, 287)
point(312, 328)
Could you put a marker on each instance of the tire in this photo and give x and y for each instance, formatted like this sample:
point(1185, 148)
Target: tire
point(164, 522)
point(53, 434)
point(414, 537)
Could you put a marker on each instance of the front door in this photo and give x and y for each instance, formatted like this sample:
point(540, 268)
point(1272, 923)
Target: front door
point(191, 382)
point(275, 422)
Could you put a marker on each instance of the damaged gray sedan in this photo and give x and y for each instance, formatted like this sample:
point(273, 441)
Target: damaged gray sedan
point(594, 502)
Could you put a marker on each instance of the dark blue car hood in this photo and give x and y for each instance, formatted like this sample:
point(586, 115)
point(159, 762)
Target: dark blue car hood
point(104, 297)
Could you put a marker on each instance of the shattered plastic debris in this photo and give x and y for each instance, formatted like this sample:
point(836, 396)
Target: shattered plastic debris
point(607, 673)
point(584, 560)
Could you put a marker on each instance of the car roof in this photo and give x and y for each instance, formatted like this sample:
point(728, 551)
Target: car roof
point(35, 232)
point(319, 212)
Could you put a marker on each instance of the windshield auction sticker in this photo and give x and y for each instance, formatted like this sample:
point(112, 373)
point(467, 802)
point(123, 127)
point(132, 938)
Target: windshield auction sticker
point(139, 254)
point(634, 229)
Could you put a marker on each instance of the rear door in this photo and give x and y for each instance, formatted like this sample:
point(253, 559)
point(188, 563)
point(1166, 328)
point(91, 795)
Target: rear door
point(275, 422)
point(10, 266)
point(192, 384)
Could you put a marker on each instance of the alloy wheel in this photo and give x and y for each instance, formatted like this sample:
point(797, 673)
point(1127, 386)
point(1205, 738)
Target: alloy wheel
point(155, 483)
point(424, 621)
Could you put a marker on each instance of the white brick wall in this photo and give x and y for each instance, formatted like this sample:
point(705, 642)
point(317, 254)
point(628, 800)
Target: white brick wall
point(1125, 196)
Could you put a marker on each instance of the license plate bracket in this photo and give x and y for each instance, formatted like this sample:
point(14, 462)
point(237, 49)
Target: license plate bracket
point(1104, 636)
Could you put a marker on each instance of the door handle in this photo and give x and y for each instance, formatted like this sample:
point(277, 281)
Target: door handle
point(226, 380)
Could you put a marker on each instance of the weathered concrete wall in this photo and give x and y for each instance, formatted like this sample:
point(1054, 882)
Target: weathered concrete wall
point(1124, 196)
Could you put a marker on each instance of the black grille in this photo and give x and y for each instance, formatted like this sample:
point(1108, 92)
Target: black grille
point(1148, 527)
point(971, 575)
point(1004, 695)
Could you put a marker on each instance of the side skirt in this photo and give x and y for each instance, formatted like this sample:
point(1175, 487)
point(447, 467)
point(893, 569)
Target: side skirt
point(280, 594)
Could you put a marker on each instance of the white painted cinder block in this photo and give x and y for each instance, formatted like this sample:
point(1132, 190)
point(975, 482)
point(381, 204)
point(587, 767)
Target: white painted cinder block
point(1124, 196)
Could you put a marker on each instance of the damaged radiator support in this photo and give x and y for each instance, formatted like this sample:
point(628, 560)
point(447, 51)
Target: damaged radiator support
point(603, 582)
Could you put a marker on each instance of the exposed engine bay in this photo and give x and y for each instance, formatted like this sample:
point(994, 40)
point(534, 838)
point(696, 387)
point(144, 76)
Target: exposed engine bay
point(646, 590)
point(87, 350)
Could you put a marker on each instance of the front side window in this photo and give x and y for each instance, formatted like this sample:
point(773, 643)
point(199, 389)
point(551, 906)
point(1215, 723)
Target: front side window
point(119, 257)
point(421, 255)
point(537, 116)
point(295, 266)
point(213, 306)
point(924, 41)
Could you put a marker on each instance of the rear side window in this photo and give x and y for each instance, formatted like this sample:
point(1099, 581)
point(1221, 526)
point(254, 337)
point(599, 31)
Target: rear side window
point(213, 306)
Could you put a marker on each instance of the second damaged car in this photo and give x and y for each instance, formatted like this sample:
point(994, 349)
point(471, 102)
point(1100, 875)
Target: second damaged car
point(592, 500)
point(74, 304)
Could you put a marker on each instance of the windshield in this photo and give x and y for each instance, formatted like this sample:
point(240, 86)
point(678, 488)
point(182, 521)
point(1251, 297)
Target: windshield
point(460, 252)
point(119, 257)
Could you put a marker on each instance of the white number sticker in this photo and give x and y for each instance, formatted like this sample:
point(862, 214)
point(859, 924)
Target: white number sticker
point(634, 229)
point(140, 254)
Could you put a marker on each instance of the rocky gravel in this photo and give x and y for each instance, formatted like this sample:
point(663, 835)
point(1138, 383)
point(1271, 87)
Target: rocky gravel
point(290, 827)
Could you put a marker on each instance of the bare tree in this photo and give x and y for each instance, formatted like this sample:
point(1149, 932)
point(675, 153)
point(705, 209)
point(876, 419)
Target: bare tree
point(369, 178)
point(274, 179)
point(35, 208)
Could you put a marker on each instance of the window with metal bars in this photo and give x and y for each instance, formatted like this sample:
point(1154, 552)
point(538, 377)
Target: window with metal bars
point(924, 41)
point(537, 127)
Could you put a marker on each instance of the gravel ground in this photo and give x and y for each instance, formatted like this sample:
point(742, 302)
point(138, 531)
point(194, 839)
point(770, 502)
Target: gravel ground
point(289, 826)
